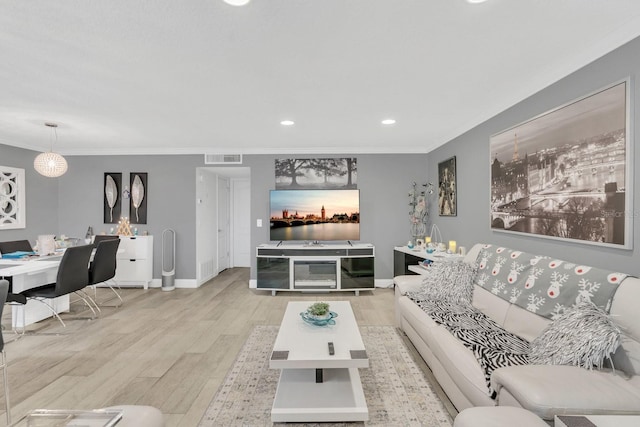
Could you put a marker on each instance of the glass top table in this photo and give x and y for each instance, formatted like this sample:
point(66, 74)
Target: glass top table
point(69, 418)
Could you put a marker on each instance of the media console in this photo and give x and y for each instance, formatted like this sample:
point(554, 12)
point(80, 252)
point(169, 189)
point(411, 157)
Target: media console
point(315, 268)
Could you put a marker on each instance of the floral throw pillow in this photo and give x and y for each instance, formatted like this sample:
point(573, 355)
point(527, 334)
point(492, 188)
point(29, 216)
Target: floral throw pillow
point(583, 336)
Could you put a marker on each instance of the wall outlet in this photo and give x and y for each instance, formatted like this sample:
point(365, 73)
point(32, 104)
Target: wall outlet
point(259, 223)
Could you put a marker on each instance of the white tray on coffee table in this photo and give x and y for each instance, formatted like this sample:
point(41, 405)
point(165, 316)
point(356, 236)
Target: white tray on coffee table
point(301, 351)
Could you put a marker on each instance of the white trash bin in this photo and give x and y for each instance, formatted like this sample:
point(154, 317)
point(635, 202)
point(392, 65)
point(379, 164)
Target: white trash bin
point(168, 260)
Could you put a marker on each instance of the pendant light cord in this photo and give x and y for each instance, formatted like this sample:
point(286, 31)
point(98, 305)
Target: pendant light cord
point(54, 133)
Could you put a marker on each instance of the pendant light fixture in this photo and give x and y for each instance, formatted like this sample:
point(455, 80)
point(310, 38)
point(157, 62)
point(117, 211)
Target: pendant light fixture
point(50, 164)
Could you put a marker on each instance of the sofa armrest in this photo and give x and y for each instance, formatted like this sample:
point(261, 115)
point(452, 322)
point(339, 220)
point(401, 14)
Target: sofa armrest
point(408, 283)
point(549, 390)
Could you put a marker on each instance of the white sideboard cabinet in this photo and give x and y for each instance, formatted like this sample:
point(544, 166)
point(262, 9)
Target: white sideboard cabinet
point(134, 261)
point(315, 268)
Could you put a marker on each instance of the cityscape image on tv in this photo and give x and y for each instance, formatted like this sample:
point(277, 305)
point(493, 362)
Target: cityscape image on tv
point(314, 215)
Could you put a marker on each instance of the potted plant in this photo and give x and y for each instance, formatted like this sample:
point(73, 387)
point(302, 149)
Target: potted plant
point(319, 310)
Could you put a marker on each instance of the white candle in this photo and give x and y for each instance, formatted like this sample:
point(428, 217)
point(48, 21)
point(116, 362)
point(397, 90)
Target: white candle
point(452, 246)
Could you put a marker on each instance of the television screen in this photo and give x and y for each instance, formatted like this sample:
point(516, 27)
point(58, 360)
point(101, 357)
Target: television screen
point(314, 215)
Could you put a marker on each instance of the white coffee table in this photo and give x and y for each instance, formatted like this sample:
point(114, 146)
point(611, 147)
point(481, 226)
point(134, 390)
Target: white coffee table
point(315, 386)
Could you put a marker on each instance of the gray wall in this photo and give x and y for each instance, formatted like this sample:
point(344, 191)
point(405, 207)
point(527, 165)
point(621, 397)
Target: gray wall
point(73, 202)
point(170, 197)
point(70, 204)
point(473, 161)
point(384, 181)
point(41, 196)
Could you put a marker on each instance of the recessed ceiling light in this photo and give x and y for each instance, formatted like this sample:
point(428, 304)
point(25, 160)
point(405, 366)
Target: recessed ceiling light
point(237, 2)
point(287, 123)
point(476, 1)
point(388, 122)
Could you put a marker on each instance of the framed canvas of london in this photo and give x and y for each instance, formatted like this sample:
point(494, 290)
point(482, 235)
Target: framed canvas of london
point(447, 200)
point(566, 174)
point(12, 198)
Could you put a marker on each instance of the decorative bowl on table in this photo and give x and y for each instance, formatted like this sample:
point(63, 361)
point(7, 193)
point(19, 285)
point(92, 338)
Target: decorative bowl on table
point(319, 314)
point(323, 320)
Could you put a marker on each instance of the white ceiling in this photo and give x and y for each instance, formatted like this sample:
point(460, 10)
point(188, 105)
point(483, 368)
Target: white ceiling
point(196, 76)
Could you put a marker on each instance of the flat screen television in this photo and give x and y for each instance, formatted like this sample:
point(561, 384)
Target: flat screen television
point(314, 215)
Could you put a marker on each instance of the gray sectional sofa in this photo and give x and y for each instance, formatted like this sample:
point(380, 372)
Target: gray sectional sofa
point(545, 390)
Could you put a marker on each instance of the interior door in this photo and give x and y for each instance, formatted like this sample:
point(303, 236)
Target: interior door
point(241, 223)
point(223, 224)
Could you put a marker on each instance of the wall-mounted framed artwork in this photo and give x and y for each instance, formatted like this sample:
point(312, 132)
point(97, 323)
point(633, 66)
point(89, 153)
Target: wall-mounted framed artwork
point(112, 204)
point(447, 188)
point(138, 200)
point(339, 173)
point(566, 174)
point(12, 198)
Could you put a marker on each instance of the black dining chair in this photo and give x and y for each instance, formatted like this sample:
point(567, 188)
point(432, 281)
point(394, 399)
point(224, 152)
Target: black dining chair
point(4, 290)
point(7, 248)
point(102, 237)
point(103, 267)
point(73, 277)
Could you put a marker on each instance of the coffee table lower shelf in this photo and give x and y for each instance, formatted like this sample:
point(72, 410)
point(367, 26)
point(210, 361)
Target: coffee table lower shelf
point(338, 398)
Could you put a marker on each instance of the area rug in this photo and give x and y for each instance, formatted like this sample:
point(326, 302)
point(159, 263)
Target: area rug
point(396, 390)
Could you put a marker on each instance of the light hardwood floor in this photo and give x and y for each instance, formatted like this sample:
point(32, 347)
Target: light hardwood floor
point(170, 350)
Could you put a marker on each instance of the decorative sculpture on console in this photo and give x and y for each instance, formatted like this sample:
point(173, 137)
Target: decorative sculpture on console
point(418, 209)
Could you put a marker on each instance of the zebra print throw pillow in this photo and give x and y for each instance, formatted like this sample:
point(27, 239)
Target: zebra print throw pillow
point(583, 336)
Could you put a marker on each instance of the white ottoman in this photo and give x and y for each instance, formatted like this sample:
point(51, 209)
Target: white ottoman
point(498, 416)
point(139, 416)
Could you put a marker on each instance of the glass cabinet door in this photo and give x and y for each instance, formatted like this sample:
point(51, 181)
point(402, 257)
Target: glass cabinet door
point(357, 273)
point(273, 273)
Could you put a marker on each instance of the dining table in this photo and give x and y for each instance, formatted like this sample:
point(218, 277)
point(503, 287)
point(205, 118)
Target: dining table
point(27, 273)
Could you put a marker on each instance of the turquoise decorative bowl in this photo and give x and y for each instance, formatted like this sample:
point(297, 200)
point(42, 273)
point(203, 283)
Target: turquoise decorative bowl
point(323, 321)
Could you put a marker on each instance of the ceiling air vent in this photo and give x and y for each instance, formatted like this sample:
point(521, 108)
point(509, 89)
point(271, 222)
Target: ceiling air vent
point(223, 159)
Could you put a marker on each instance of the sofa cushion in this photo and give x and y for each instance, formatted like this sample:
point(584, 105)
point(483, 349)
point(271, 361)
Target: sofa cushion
point(549, 390)
point(459, 362)
point(524, 323)
point(494, 308)
point(498, 416)
point(415, 315)
point(492, 346)
point(624, 311)
point(543, 285)
point(583, 336)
